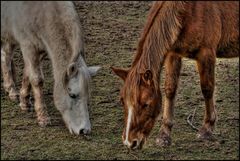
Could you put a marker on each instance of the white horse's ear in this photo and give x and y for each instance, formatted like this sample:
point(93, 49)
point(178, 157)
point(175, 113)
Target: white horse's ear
point(93, 70)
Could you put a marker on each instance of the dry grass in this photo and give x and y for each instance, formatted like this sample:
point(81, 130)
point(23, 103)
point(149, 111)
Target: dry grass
point(111, 33)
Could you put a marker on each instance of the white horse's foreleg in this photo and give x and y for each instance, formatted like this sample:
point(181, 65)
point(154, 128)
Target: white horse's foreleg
point(8, 71)
point(25, 91)
point(35, 76)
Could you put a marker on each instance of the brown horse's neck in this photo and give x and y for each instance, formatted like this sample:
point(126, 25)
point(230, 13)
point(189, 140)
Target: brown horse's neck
point(160, 33)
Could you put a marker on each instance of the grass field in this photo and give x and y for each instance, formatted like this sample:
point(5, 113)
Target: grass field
point(111, 33)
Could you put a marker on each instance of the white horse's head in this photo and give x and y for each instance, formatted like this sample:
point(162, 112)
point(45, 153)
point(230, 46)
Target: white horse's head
point(74, 103)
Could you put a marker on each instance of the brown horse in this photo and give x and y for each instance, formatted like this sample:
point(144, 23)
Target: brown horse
point(198, 30)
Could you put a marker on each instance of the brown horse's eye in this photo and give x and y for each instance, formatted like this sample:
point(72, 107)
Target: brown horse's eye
point(145, 105)
point(122, 102)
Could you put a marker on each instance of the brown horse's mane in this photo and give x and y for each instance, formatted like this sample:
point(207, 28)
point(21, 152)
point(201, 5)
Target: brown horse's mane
point(160, 32)
point(152, 15)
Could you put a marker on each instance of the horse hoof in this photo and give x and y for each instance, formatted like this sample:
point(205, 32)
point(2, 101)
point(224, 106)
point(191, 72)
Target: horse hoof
point(26, 107)
point(14, 97)
point(205, 135)
point(44, 122)
point(163, 141)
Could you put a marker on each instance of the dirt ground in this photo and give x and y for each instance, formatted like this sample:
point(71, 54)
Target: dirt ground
point(111, 33)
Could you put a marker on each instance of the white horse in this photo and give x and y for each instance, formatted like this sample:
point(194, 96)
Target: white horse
point(53, 27)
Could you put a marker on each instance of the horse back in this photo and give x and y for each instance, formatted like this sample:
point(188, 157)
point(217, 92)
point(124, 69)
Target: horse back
point(209, 24)
point(229, 42)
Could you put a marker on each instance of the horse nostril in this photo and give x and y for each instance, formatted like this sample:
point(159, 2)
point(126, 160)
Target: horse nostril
point(134, 144)
point(73, 95)
point(81, 131)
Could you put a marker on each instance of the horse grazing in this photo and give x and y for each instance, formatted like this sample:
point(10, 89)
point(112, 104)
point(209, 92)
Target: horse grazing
point(198, 30)
point(52, 27)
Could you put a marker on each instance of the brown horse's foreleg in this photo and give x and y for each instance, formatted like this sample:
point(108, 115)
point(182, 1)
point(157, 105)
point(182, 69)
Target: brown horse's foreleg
point(172, 72)
point(206, 63)
point(34, 73)
point(25, 91)
point(8, 71)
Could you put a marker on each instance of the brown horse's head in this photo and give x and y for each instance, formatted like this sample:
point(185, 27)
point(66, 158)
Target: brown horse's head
point(142, 103)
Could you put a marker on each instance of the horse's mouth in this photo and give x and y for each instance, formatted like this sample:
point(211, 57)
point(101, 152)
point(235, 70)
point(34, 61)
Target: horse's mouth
point(138, 145)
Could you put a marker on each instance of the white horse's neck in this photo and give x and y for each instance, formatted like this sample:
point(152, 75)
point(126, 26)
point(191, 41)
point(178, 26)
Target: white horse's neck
point(61, 58)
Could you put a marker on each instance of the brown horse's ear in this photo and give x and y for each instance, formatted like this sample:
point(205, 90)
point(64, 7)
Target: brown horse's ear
point(120, 72)
point(147, 77)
